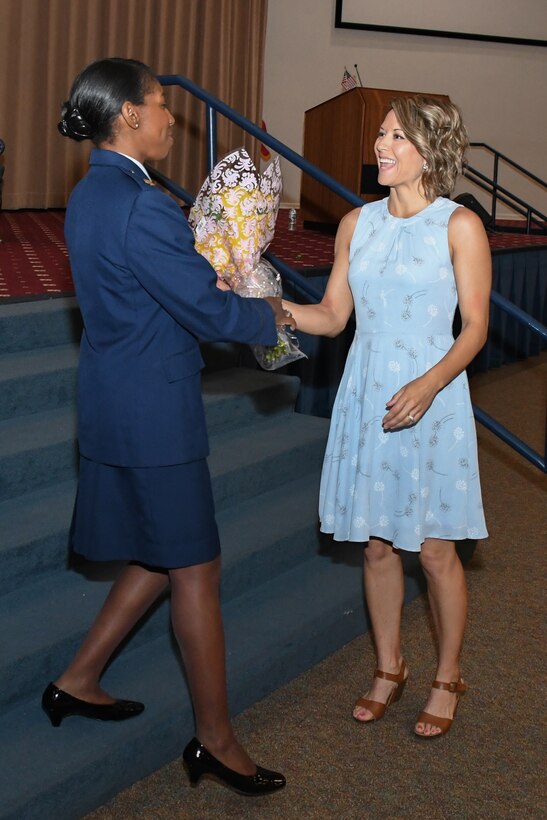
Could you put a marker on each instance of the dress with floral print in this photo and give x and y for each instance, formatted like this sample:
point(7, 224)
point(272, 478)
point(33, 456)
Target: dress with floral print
point(421, 481)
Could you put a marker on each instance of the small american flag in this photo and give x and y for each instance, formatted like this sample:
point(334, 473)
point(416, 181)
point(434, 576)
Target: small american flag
point(348, 81)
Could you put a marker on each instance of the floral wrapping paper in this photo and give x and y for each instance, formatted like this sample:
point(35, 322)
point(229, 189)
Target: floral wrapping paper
point(233, 219)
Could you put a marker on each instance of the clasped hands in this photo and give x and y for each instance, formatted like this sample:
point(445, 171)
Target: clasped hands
point(283, 317)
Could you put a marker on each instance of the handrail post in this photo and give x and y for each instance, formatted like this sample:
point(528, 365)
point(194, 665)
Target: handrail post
point(495, 189)
point(211, 128)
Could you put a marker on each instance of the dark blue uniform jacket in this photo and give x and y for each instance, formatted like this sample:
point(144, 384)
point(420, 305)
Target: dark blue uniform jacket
point(146, 298)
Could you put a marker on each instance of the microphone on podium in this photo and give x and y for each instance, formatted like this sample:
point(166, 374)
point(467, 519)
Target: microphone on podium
point(358, 75)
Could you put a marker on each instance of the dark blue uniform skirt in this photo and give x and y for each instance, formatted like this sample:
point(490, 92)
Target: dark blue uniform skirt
point(160, 516)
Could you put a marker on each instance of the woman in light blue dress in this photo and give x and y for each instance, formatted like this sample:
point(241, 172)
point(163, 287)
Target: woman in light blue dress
point(400, 469)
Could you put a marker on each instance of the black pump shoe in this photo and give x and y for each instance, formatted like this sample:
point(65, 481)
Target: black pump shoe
point(58, 704)
point(199, 761)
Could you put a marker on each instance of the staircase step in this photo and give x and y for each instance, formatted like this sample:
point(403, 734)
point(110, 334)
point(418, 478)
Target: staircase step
point(221, 355)
point(34, 531)
point(36, 450)
point(37, 380)
point(51, 322)
point(263, 536)
point(283, 447)
point(45, 323)
point(33, 381)
point(32, 648)
point(233, 397)
point(40, 448)
point(247, 462)
point(274, 632)
point(34, 525)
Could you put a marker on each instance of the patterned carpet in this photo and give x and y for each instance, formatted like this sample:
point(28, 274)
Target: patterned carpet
point(310, 248)
point(33, 256)
point(34, 261)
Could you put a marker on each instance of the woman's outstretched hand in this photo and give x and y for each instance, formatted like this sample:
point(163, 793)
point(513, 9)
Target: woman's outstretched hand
point(409, 404)
point(282, 317)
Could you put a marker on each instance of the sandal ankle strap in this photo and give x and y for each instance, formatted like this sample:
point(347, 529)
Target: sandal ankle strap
point(455, 686)
point(397, 678)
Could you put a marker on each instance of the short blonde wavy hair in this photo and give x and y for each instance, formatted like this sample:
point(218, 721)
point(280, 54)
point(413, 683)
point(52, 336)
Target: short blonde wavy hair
point(436, 130)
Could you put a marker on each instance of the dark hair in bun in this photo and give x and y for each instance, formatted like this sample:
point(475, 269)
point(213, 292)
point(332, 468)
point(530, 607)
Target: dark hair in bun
point(97, 96)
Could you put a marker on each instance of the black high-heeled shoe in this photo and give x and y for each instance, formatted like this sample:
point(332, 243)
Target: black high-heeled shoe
point(199, 761)
point(58, 705)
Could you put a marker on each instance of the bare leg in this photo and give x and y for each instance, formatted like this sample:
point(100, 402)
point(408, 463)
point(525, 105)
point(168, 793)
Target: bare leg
point(447, 594)
point(384, 587)
point(132, 594)
point(197, 622)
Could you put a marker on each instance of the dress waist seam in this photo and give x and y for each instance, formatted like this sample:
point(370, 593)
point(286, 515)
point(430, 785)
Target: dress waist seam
point(397, 334)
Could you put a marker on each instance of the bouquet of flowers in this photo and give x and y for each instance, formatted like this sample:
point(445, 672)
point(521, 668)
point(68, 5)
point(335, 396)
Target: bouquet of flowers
point(233, 219)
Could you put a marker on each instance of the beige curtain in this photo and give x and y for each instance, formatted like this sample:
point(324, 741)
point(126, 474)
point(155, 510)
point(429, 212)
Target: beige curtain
point(219, 44)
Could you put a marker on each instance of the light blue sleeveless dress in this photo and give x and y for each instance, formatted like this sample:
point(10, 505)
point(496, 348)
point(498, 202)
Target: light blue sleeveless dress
point(422, 481)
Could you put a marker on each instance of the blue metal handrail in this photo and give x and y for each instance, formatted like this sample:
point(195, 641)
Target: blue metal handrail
point(490, 423)
point(214, 105)
point(498, 155)
point(498, 192)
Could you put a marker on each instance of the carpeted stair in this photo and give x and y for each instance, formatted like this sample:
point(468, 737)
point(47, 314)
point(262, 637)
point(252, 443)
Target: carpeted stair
point(287, 603)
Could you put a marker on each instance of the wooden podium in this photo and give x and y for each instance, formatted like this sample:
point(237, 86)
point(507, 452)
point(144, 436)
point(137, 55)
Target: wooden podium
point(339, 137)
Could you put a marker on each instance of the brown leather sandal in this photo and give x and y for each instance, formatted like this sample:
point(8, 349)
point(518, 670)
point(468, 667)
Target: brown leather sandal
point(375, 706)
point(459, 688)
